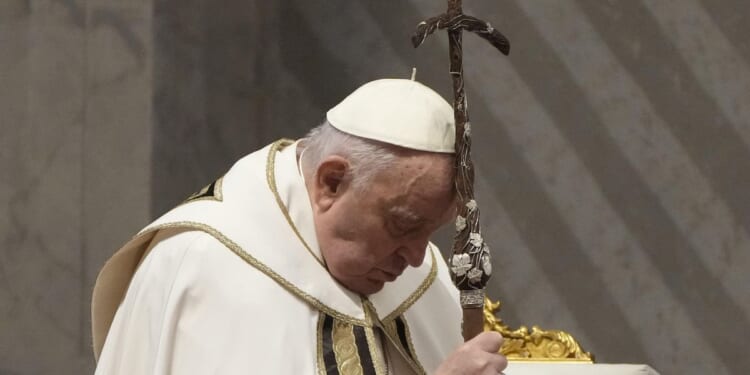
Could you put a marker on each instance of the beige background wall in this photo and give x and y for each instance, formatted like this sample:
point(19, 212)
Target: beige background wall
point(613, 151)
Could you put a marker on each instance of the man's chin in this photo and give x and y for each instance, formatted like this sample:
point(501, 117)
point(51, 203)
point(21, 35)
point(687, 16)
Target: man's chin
point(366, 287)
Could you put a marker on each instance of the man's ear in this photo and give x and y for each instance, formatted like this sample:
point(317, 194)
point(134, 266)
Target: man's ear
point(330, 181)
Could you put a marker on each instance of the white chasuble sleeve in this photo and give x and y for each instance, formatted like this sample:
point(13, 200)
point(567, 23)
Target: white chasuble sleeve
point(194, 307)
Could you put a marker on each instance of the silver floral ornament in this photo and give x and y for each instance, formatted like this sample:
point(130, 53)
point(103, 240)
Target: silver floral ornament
point(460, 263)
point(460, 223)
point(471, 205)
point(475, 275)
point(476, 240)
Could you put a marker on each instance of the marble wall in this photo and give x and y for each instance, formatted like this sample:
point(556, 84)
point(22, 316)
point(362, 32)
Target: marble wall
point(613, 153)
point(75, 117)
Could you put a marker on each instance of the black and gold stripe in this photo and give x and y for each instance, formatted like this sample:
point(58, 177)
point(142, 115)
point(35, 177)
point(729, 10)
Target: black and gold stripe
point(344, 348)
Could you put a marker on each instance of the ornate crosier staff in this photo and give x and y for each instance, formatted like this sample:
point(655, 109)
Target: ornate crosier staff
point(470, 264)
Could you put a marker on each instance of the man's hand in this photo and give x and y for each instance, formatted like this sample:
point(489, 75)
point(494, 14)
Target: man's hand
point(478, 356)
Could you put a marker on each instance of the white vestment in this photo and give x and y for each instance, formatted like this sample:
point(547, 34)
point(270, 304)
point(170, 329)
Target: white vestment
point(224, 284)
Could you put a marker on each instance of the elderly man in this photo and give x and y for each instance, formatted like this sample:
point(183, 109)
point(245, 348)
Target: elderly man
point(307, 257)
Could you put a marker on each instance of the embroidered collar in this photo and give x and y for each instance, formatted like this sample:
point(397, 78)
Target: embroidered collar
point(288, 188)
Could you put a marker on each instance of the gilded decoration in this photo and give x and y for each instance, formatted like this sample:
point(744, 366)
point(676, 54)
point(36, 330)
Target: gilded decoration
point(345, 349)
point(537, 345)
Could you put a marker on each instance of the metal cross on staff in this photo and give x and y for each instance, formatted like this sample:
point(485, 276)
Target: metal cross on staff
point(470, 264)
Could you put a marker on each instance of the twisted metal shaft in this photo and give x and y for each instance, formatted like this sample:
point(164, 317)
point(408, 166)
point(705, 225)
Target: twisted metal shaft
point(470, 264)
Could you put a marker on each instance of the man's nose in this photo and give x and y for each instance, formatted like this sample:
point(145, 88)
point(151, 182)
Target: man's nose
point(414, 251)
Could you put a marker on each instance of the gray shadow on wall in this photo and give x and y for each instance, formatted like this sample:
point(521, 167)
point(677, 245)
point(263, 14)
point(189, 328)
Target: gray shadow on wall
point(304, 56)
point(205, 83)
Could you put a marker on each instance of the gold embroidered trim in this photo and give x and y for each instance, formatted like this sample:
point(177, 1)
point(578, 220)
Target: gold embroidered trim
point(421, 289)
point(370, 309)
point(377, 352)
point(321, 361)
point(271, 178)
point(345, 348)
point(260, 266)
point(409, 342)
point(389, 331)
point(392, 330)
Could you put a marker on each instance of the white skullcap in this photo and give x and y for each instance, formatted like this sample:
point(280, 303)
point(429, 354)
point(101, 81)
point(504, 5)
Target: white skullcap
point(400, 112)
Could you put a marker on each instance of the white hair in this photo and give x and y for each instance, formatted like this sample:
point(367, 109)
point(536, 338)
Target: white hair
point(366, 157)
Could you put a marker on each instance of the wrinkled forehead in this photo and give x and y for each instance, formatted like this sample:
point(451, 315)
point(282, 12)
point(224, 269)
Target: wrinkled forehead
point(425, 171)
point(417, 184)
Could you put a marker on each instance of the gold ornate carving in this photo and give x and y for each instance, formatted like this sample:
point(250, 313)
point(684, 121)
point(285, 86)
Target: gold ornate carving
point(537, 345)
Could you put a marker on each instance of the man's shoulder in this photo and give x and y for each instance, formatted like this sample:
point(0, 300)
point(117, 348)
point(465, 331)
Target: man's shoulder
point(172, 243)
point(200, 259)
point(176, 239)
